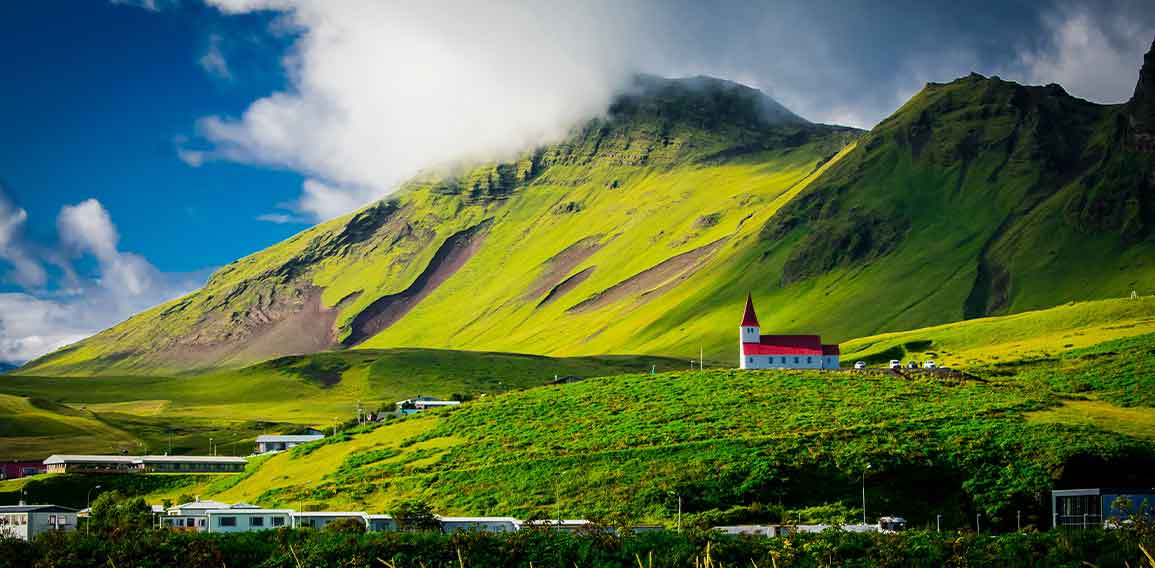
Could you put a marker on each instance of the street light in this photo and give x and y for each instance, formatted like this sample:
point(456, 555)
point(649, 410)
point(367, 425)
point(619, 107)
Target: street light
point(88, 499)
point(868, 466)
point(557, 497)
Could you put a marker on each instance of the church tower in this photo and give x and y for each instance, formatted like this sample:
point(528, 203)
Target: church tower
point(749, 329)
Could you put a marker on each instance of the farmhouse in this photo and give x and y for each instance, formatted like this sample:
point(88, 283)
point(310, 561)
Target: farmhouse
point(418, 404)
point(318, 519)
point(757, 351)
point(62, 463)
point(25, 522)
point(277, 443)
point(451, 525)
point(17, 469)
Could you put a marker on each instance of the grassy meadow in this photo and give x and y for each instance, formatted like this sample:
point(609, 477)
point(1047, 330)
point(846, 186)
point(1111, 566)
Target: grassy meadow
point(45, 415)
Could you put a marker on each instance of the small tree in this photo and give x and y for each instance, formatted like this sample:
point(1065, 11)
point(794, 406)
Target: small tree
point(415, 516)
point(114, 514)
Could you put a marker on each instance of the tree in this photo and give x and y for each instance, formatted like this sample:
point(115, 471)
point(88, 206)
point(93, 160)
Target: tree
point(415, 516)
point(114, 514)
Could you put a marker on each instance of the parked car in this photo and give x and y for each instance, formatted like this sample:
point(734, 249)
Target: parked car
point(860, 364)
point(895, 364)
point(929, 364)
point(912, 364)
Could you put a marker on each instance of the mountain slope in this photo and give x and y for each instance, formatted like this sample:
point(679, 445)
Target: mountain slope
point(642, 231)
point(542, 254)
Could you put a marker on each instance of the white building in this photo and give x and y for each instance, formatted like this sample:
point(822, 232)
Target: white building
point(757, 351)
point(25, 522)
point(318, 519)
point(246, 519)
point(418, 404)
point(68, 463)
point(382, 523)
point(278, 443)
point(479, 524)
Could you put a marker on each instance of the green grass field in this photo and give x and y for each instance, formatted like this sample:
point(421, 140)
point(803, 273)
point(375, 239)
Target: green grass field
point(752, 446)
point(44, 415)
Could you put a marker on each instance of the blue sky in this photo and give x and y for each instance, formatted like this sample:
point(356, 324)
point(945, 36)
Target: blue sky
point(144, 143)
point(93, 103)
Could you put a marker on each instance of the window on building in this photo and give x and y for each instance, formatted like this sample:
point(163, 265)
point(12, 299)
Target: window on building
point(202, 522)
point(256, 521)
point(795, 360)
point(749, 359)
point(228, 521)
point(809, 360)
point(278, 521)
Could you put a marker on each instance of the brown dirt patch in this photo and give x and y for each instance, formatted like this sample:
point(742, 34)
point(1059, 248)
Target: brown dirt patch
point(387, 310)
point(565, 286)
point(651, 281)
point(558, 267)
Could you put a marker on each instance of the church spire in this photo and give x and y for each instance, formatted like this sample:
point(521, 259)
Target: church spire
point(749, 318)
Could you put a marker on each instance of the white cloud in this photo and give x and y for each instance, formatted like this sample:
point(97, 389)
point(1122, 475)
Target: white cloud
point(26, 271)
point(213, 61)
point(282, 218)
point(382, 90)
point(38, 321)
point(1096, 57)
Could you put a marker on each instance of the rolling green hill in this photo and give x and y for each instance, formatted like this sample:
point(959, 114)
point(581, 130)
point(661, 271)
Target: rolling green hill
point(752, 446)
point(641, 232)
point(109, 414)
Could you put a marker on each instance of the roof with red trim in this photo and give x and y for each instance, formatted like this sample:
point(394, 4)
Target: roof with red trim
point(749, 318)
point(784, 345)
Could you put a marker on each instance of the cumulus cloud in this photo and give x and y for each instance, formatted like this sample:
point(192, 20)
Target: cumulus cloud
point(150, 5)
point(379, 90)
point(41, 319)
point(25, 270)
point(1092, 55)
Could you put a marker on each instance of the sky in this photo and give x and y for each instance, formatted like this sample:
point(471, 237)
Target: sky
point(144, 143)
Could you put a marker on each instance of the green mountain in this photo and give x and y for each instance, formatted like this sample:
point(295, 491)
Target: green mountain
point(642, 231)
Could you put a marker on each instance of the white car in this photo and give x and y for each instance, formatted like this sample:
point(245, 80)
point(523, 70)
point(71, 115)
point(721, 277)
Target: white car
point(860, 364)
point(929, 364)
point(895, 364)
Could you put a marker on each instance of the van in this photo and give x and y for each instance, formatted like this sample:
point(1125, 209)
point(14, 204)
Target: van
point(929, 364)
point(895, 364)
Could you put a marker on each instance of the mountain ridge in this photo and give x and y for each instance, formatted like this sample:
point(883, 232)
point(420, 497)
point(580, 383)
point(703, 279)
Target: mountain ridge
point(976, 197)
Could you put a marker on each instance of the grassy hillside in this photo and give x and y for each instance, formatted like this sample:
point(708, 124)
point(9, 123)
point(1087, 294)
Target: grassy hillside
point(751, 446)
point(1034, 334)
point(642, 231)
point(45, 415)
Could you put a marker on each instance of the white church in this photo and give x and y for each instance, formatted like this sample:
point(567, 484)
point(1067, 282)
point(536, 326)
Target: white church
point(781, 351)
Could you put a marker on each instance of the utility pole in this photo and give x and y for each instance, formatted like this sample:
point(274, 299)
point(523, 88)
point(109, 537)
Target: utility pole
point(938, 523)
point(978, 526)
point(864, 494)
point(679, 512)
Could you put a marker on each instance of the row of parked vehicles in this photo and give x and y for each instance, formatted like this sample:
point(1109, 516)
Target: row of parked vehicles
point(896, 364)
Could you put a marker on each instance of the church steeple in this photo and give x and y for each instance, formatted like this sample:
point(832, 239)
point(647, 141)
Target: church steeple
point(749, 330)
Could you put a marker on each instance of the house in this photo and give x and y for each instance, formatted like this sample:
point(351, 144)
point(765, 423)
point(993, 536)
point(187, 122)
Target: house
point(382, 523)
point(246, 519)
point(757, 351)
point(318, 519)
point(192, 516)
point(17, 469)
point(26, 522)
point(421, 403)
point(450, 525)
point(63, 463)
point(278, 443)
point(1100, 507)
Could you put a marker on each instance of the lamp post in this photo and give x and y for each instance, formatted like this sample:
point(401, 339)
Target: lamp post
point(938, 523)
point(868, 466)
point(978, 526)
point(88, 499)
point(557, 498)
point(210, 445)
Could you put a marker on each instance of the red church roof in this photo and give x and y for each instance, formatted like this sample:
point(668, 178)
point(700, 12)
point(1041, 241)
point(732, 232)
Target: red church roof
point(749, 318)
point(784, 345)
